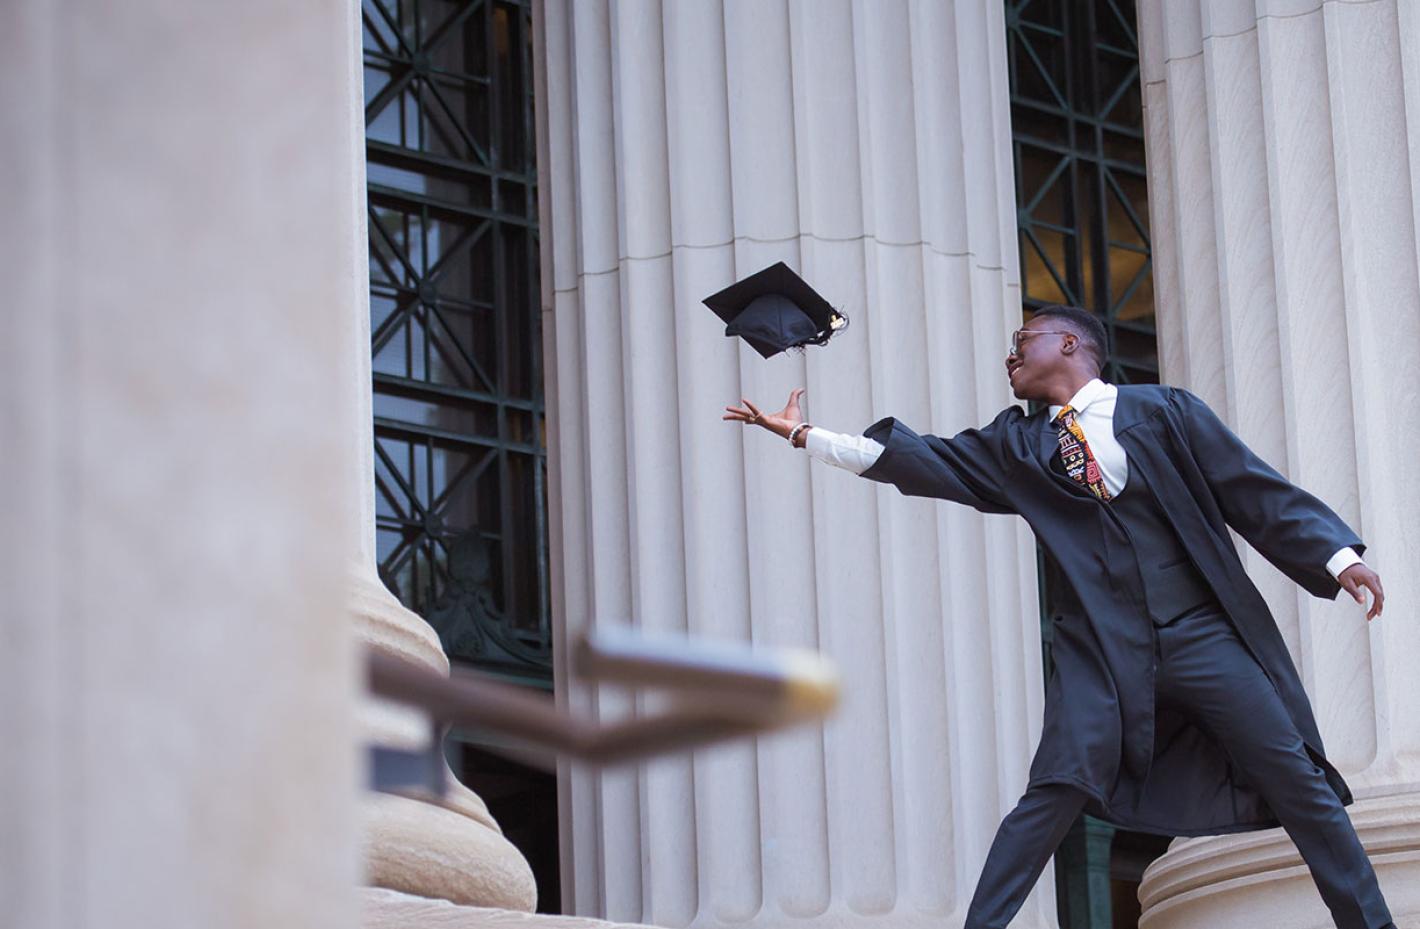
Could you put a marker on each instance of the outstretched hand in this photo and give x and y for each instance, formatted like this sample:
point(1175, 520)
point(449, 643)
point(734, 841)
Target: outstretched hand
point(1358, 576)
point(779, 423)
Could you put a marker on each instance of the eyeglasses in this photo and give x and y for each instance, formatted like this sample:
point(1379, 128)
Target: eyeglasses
point(1020, 334)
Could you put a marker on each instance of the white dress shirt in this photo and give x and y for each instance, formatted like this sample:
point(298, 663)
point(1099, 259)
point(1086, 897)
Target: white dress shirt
point(1094, 414)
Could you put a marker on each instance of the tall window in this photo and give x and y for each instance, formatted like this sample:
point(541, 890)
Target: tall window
point(1083, 231)
point(1078, 138)
point(460, 462)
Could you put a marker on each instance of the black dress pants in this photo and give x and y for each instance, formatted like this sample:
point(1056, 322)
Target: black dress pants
point(1205, 671)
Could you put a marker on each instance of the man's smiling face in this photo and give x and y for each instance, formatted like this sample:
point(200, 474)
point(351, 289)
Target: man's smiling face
point(1036, 358)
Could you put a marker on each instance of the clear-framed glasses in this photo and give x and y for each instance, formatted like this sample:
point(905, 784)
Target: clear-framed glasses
point(1018, 336)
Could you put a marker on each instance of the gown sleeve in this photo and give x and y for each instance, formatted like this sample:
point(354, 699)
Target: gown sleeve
point(1290, 527)
point(967, 468)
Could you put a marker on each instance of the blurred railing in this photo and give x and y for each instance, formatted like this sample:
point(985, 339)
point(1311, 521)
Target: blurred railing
point(707, 692)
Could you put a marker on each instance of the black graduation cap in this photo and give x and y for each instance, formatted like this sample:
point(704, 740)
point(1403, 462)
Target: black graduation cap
point(775, 309)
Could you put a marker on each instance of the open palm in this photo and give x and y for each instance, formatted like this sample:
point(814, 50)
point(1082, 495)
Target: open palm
point(779, 423)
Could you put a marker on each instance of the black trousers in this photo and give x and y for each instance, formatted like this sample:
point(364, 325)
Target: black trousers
point(1205, 671)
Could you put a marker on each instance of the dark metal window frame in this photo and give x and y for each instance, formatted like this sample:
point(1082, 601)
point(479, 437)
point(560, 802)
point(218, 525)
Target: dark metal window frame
point(1072, 205)
point(1073, 66)
point(454, 288)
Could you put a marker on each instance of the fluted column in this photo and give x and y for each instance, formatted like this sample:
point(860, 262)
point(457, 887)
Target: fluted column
point(685, 145)
point(1282, 169)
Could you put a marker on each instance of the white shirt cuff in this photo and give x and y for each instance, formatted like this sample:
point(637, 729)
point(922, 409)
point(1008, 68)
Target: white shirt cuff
point(854, 453)
point(1341, 561)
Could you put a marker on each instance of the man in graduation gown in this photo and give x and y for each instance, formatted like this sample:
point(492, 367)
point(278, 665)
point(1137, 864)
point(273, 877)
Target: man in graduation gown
point(1173, 706)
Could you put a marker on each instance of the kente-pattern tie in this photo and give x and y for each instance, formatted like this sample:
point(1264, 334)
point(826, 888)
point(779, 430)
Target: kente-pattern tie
point(1075, 452)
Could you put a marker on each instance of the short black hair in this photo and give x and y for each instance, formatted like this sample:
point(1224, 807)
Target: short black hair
point(1085, 325)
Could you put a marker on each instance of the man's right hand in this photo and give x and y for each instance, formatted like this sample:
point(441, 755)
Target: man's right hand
point(778, 423)
point(1358, 577)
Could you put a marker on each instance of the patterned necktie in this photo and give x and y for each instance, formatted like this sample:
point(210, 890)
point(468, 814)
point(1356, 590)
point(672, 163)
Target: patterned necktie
point(1075, 453)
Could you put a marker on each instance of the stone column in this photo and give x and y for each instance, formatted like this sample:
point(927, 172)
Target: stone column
point(1281, 187)
point(688, 144)
point(177, 683)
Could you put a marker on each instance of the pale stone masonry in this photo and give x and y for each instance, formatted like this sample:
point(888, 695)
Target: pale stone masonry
point(1283, 162)
point(685, 145)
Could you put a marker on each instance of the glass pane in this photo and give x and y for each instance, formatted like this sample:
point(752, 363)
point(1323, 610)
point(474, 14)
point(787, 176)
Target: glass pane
point(1046, 267)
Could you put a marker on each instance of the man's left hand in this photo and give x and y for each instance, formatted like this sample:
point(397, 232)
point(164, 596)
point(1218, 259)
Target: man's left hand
point(1358, 576)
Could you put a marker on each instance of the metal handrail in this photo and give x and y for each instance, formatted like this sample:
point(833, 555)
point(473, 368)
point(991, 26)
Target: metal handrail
point(712, 692)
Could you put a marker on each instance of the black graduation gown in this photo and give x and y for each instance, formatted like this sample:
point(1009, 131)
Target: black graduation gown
point(1143, 771)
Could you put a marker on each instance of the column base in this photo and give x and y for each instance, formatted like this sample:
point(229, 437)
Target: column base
point(383, 623)
point(451, 851)
point(390, 909)
point(1258, 878)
